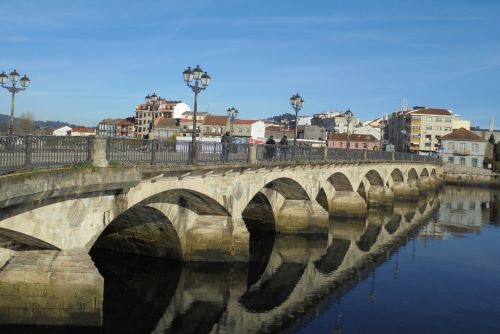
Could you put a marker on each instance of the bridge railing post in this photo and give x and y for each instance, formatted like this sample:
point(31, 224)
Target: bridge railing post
point(153, 144)
point(98, 146)
point(325, 153)
point(28, 150)
point(252, 154)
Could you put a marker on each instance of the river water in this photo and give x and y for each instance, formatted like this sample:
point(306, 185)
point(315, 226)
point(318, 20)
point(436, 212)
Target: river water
point(431, 266)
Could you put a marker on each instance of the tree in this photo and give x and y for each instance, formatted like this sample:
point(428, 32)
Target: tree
point(26, 123)
point(491, 140)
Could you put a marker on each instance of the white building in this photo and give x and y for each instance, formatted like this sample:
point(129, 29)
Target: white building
point(64, 131)
point(249, 129)
point(462, 147)
point(368, 130)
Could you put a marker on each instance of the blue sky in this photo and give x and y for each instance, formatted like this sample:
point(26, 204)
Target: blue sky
point(90, 60)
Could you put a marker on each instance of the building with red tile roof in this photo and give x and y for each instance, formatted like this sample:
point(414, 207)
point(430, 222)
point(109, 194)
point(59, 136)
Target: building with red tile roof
point(463, 147)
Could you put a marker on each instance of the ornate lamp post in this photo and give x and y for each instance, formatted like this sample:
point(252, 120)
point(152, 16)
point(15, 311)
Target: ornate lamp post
point(198, 76)
point(153, 101)
point(232, 113)
point(14, 78)
point(348, 117)
point(297, 102)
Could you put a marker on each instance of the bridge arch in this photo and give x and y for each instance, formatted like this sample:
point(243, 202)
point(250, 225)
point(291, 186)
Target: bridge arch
point(433, 172)
point(340, 182)
point(374, 178)
point(141, 230)
point(397, 175)
point(424, 173)
point(258, 215)
point(288, 188)
point(412, 175)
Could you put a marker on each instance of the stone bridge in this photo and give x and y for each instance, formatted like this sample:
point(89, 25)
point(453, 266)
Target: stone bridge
point(194, 213)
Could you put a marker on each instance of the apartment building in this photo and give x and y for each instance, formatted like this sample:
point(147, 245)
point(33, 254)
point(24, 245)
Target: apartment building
point(144, 115)
point(215, 126)
point(419, 130)
point(117, 127)
point(248, 130)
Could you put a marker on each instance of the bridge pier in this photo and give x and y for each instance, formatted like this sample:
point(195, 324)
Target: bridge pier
point(347, 204)
point(51, 288)
point(425, 184)
point(302, 216)
point(406, 191)
point(380, 196)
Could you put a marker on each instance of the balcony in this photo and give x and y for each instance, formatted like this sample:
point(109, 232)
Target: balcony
point(461, 152)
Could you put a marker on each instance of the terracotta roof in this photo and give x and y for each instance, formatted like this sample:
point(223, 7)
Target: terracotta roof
point(463, 134)
point(117, 121)
point(165, 123)
point(216, 120)
point(81, 129)
point(244, 121)
point(431, 111)
point(353, 137)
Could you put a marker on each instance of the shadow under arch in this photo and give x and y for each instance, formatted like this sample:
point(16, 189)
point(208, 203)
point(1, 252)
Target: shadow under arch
point(340, 182)
point(18, 241)
point(412, 175)
point(124, 234)
point(424, 173)
point(137, 290)
point(334, 256)
point(275, 290)
point(362, 190)
point(195, 201)
point(368, 239)
point(322, 199)
point(397, 175)
point(288, 188)
point(433, 172)
point(374, 178)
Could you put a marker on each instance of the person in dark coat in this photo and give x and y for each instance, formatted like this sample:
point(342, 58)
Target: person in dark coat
point(270, 148)
point(283, 147)
point(226, 141)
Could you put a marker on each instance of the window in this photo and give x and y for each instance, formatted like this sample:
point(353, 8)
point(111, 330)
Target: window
point(472, 205)
point(447, 120)
point(427, 144)
point(428, 119)
point(451, 146)
point(474, 162)
point(428, 128)
point(451, 160)
point(240, 130)
point(462, 161)
point(356, 145)
point(462, 147)
point(475, 147)
point(439, 119)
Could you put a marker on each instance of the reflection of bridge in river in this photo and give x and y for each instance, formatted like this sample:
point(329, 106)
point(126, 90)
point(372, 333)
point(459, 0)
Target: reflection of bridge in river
point(287, 276)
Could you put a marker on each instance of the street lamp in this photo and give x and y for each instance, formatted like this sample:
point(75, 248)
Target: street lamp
point(232, 113)
point(154, 102)
point(348, 117)
point(297, 102)
point(14, 77)
point(198, 76)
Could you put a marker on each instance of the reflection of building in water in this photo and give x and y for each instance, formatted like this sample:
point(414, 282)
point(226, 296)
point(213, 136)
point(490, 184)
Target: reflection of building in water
point(463, 210)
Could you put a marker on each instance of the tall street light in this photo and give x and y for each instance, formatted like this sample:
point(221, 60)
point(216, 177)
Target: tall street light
point(348, 117)
point(232, 113)
point(297, 102)
point(153, 101)
point(198, 76)
point(14, 77)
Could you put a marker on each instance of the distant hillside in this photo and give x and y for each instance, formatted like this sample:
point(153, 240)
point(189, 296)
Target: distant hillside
point(4, 120)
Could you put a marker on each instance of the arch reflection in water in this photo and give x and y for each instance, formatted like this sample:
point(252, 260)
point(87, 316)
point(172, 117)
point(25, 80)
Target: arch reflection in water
point(287, 277)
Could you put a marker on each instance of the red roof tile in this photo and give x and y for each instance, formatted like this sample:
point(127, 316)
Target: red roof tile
point(463, 134)
point(216, 120)
point(244, 121)
point(431, 111)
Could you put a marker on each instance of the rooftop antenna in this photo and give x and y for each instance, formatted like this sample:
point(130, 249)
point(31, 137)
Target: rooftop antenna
point(405, 104)
point(492, 124)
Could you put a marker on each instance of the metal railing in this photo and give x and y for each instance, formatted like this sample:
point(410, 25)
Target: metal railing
point(17, 152)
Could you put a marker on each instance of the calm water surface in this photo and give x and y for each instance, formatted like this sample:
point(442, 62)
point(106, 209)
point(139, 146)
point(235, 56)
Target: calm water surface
point(426, 267)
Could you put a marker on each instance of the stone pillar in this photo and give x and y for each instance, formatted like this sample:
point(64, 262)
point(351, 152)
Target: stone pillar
point(348, 228)
point(325, 152)
point(380, 196)
point(98, 152)
point(51, 288)
point(216, 239)
point(252, 154)
point(302, 216)
point(347, 204)
point(406, 191)
point(425, 184)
